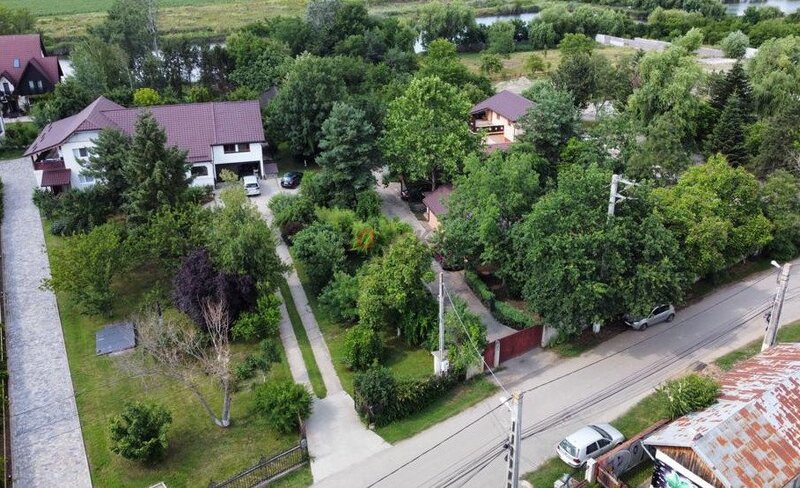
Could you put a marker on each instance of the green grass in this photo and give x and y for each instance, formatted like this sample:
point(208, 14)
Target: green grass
point(786, 333)
point(298, 479)
point(287, 162)
point(6, 153)
point(461, 398)
point(198, 450)
point(314, 374)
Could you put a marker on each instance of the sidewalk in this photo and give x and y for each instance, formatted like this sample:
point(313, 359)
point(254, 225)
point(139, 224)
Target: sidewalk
point(336, 436)
point(393, 206)
point(293, 355)
point(46, 441)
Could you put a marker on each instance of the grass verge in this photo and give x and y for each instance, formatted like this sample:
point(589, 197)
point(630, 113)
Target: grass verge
point(198, 450)
point(6, 153)
point(314, 374)
point(298, 479)
point(786, 333)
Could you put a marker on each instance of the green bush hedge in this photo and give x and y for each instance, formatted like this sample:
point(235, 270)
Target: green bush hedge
point(511, 316)
point(480, 289)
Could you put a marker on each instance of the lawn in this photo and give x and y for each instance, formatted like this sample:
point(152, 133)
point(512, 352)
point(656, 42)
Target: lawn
point(314, 374)
point(198, 450)
point(786, 333)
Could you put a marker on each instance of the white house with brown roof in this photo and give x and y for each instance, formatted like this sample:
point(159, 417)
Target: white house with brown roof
point(215, 136)
point(498, 116)
point(749, 438)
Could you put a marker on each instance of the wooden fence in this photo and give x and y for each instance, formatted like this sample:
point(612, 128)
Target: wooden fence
point(266, 470)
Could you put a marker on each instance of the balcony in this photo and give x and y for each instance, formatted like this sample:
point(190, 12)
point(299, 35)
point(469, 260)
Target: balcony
point(48, 164)
point(485, 127)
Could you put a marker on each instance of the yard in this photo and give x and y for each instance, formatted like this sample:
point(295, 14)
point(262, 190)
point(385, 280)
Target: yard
point(198, 450)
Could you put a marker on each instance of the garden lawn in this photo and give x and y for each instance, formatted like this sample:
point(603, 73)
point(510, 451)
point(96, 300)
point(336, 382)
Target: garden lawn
point(198, 450)
point(786, 333)
point(314, 374)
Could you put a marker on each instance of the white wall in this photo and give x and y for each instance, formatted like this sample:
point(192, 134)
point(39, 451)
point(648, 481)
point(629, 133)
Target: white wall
point(219, 156)
point(207, 180)
point(509, 131)
point(4, 80)
point(77, 141)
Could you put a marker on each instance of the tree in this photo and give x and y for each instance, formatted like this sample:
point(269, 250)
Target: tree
point(490, 64)
point(145, 97)
point(734, 82)
point(579, 267)
point(215, 65)
point(139, 433)
point(735, 44)
point(107, 161)
point(196, 283)
point(260, 62)
point(662, 157)
point(340, 298)
point(425, 134)
point(392, 291)
point(692, 393)
point(550, 122)
point(441, 60)
point(575, 44)
point(450, 21)
point(100, 67)
point(180, 61)
point(542, 35)
point(465, 335)
point(78, 211)
point(305, 101)
point(85, 266)
point(156, 173)
point(321, 251)
point(587, 77)
point(131, 25)
point(714, 212)
point(780, 199)
point(728, 137)
point(173, 233)
point(501, 38)
point(363, 347)
point(168, 347)
point(284, 404)
point(16, 21)
point(321, 14)
point(68, 98)
point(775, 74)
point(535, 64)
point(348, 155)
point(777, 141)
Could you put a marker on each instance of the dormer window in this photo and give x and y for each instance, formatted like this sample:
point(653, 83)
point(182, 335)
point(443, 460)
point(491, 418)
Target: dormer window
point(16, 62)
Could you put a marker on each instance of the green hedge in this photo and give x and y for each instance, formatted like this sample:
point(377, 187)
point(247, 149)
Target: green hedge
point(480, 289)
point(512, 316)
point(408, 396)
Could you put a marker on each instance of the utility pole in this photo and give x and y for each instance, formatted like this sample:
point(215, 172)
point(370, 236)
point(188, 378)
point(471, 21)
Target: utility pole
point(774, 317)
point(614, 195)
point(442, 361)
point(514, 441)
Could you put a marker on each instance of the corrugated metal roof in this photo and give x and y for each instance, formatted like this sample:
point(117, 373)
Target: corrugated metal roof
point(506, 103)
point(751, 437)
point(56, 177)
point(26, 48)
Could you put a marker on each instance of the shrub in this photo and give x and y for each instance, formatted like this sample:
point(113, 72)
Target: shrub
point(321, 250)
point(374, 392)
point(512, 316)
point(248, 367)
point(691, 393)
point(20, 135)
point(259, 323)
point(735, 44)
point(283, 404)
point(368, 204)
point(464, 334)
point(414, 395)
point(199, 194)
point(480, 289)
point(58, 228)
point(363, 347)
point(340, 298)
point(139, 433)
point(145, 97)
point(291, 208)
point(46, 201)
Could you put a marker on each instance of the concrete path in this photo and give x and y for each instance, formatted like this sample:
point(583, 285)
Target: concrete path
point(293, 355)
point(562, 396)
point(393, 206)
point(46, 441)
point(336, 436)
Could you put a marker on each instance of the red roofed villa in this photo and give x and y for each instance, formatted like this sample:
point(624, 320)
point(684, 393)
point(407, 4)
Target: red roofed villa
point(216, 136)
point(25, 69)
point(497, 117)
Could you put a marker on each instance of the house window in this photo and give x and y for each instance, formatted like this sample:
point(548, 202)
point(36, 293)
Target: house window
point(235, 148)
point(85, 179)
point(31, 85)
point(16, 62)
point(199, 171)
point(7, 88)
point(40, 85)
point(80, 152)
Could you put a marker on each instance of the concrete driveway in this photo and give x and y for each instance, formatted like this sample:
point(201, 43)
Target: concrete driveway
point(559, 397)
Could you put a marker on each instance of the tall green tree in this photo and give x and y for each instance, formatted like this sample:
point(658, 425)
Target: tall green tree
point(587, 77)
point(775, 73)
point(580, 267)
point(260, 62)
point(780, 199)
point(156, 173)
point(450, 21)
point(426, 136)
point(551, 122)
point(131, 24)
point(662, 157)
point(107, 161)
point(728, 137)
point(99, 66)
point(714, 212)
point(734, 82)
point(778, 141)
point(348, 155)
point(16, 21)
point(501, 38)
point(321, 250)
point(441, 60)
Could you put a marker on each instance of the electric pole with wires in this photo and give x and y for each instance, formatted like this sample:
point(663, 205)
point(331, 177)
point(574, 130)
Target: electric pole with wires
point(514, 441)
point(774, 316)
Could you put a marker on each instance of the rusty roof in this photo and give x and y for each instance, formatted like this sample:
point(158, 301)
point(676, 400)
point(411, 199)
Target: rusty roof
point(751, 437)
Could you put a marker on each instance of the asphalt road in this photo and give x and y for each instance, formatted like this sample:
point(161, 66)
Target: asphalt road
point(560, 396)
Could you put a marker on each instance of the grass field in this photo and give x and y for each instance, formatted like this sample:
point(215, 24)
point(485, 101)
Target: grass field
point(198, 450)
point(786, 333)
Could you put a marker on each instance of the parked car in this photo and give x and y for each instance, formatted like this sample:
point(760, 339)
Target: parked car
point(251, 186)
point(588, 443)
point(291, 179)
point(662, 313)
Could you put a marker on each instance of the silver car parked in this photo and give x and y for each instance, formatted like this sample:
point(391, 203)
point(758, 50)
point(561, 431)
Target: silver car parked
point(662, 313)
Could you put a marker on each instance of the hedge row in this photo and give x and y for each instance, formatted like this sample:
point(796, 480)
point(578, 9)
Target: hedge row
point(501, 310)
point(400, 398)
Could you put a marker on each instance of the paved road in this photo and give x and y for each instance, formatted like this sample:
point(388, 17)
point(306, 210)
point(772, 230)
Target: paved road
point(46, 442)
point(563, 395)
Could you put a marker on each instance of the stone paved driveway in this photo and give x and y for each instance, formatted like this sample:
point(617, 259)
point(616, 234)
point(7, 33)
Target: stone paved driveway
point(46, 442)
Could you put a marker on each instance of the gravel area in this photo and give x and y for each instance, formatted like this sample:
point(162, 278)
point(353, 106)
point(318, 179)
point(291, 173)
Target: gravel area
point(46, 442)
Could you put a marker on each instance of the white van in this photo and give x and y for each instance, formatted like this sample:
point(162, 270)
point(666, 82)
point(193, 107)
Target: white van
point(251, 186)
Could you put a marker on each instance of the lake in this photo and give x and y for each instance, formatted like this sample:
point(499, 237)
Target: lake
point(786, 6)
point(489, 20)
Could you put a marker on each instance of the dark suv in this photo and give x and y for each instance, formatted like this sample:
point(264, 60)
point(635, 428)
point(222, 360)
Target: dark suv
point(291, 179)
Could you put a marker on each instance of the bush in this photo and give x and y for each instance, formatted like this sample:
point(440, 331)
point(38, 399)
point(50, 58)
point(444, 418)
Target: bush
point(321, 250)
point(363, 347)
point(374, 392)
point(480, 289)
point(735, 44)
point(46, 201)
point(283, 404)
point(139, 433)
point(248, 367)
point(368, 204)
point(20, 135)
point(512, 316)
point(145, 97)
point(415, 394)
point(58, 228)
point(340, 298)
point(199, 194)
point(291, 208)
point(259, 323)
point(691, 393)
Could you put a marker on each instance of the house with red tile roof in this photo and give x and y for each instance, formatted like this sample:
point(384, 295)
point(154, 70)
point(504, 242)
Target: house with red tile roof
point(497, 118)
point(749, 438)
point(215, 136)
point(25, 69)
